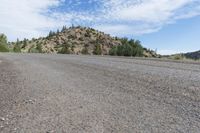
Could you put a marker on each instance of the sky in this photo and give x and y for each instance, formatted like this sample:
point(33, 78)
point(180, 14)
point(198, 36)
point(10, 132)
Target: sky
point(168, 26)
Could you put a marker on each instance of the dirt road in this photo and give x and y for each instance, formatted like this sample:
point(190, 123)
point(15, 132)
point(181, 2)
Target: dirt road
point(88, 94)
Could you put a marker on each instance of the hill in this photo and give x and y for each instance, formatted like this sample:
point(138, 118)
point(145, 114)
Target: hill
point(193, 55)
point(82, 40)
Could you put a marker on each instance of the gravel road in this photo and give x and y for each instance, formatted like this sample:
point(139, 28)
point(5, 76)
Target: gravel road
point(42, 93)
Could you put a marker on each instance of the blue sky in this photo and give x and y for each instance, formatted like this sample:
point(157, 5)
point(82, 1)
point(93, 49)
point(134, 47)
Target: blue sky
point(170, 26)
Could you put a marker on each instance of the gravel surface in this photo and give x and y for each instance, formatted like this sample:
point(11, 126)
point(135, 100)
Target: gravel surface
point(86, 94)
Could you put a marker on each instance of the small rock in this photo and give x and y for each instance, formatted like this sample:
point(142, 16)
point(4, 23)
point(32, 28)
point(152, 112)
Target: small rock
point(2, 119)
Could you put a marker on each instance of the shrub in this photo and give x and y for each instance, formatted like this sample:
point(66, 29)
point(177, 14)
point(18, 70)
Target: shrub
point(73, 47)
point(128, 48)
point(178, 57)
point(39, 47)
point(97, 49)
point(113, 50)
point(120, 50)
point(32, 49)
point(3, 48)
point(65, 49)
point(17, 47)
point(85, 51)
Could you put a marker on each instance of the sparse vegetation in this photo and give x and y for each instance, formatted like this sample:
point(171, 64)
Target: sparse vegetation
point(82, 40)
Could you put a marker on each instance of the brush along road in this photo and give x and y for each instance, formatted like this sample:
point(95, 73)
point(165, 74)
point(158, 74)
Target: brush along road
point(91, 94)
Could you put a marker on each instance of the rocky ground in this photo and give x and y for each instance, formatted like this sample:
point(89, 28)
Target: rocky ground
point(88, 94)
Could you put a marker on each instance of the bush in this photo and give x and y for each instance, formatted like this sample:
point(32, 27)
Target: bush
point(85, 51)
point(120, 50)
point(113, 50)
point(128, 48)
point(32, 49)
point(97, 49)
point(39, 47)
point(178, 57)
point(17, 48)
point(3, 48)
point(65, 49)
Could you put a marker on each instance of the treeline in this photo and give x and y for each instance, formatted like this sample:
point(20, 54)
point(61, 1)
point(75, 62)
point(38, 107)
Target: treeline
point(128, 48)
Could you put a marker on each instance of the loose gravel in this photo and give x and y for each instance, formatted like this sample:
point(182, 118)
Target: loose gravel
point(42, 93)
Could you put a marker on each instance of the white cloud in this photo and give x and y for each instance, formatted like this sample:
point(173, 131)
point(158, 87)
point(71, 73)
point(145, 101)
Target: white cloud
point(32, 18)
point(151, 15)
point(170, 51)
point(25, 18)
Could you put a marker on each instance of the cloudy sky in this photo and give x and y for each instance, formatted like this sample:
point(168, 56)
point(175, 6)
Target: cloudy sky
point(170, 26)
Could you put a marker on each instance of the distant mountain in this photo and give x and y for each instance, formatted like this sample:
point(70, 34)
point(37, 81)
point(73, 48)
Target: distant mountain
point(193, 55)
point(75, 40)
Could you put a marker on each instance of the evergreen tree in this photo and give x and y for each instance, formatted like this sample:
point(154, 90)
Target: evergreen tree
point(24, 43)
point(63, 28)
point(17, 47)
point(113, 50)
point(127, 50)
point(39, 47)
point(65, 48)
point(120, 50)
point(57, 31)
point(3, 43)
point(97, 49)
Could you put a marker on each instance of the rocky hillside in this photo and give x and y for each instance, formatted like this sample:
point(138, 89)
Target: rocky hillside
point(73, 40)
point(193, 55)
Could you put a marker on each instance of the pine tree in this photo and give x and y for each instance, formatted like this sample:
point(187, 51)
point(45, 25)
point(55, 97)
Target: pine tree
point(17, 47)
point(24, 43)
point(3, 43)
point(97, 49)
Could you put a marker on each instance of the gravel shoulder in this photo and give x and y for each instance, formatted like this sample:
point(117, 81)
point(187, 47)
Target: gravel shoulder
point(82, 94)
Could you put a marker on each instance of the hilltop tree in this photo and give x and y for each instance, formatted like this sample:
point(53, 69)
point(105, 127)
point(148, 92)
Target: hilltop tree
point(63, 28)
point(51, 33)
